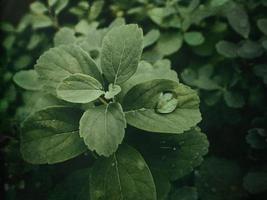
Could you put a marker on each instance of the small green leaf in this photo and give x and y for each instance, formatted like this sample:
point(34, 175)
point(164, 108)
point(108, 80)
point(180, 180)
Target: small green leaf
point(41, 21)
point(64, 36)
point(238, 19)
point(151, 37)
point(250, 49)
point(79, 88)
point(234, 99)
point(194, 38)
point(113, 90)
point(141, 101)
point(58, 5)
point(27, 79)
point(167, 103)
point(58, 63)
point(38, 7)
point(124, 175)
point(51, 136)
point(169, 43)
point(96, 9)
point(102, 128)
point(227, 49)
point(121, 52)
point(262, 25)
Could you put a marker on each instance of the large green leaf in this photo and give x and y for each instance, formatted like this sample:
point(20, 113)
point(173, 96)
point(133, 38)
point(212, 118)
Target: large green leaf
point(125, 175)
point(147, 72)
point(121, 52)
point(58, 63)
point(74, 187)
point(141, 101)
point(52, 135)
point(176, 155)
point(102, 128)
point(79, 88)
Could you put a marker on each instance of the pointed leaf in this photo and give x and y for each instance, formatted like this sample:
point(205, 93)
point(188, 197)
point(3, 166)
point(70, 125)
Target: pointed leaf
point(51, 136)
point(79, 88)
point(141, 101)
point(102, 128)
point(121, 52)
point(58, 63)
point(124, 175)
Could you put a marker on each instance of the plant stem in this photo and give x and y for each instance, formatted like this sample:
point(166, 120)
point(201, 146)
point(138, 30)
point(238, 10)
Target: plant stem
point(103, 100)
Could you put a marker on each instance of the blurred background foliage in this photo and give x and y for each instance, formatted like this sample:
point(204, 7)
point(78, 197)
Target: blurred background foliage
point(218, 47)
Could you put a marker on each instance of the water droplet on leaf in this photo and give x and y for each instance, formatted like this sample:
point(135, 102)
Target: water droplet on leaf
point(167, 103)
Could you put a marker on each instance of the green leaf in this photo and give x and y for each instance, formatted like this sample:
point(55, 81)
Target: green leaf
point(147, 72)
point(58, 63)
point(51, 136)
point(219, 179)
point(227, 49)
point(79, 88)
point(185, 193)
point(256, 182)
point(121, 52)
point(200, 77)
point(125, 175)
point(238, 19)
point(102, 128)
point(38, 7)
point(64, 36)
point(176, 155)
point(194, 38)
point(140, 103)
point(74, 187)
point(151, 37)
point(27, 79)
point(169, 43)
point(113, 90)
point(58, 5)
point(250, 49)
point(234, 99)
point(96, 9)
point(262, 25)
point(216, 3)
point(41, 21)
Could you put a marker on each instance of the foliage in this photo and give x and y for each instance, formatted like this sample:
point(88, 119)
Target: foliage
point(102, 100)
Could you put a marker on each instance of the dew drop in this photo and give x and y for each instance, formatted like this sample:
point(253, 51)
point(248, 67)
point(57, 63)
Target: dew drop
point(140, 165)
